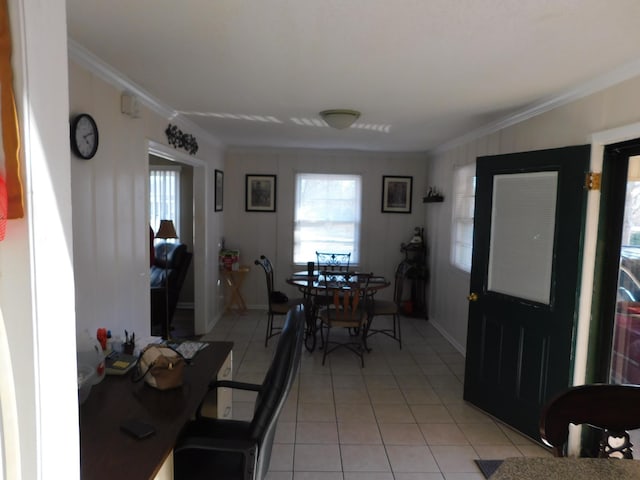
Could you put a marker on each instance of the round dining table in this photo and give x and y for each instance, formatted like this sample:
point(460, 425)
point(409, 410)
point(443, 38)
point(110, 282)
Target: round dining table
point(314, 287)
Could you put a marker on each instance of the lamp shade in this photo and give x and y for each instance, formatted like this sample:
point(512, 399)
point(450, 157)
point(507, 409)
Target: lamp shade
point(166, 230)
point(340, 118)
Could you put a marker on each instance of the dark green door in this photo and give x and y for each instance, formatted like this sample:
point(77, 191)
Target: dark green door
point(523, 302)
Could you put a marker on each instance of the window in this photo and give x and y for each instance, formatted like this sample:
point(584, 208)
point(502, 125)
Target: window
point(164, 196)
point(327, 216)
point(464, 190)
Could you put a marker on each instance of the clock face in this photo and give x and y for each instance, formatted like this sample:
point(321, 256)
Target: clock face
point(84, 136)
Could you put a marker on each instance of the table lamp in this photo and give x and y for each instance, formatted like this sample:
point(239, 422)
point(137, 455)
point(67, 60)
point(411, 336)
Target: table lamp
point(166, 231)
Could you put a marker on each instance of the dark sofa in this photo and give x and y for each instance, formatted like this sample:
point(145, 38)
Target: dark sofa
point(178, 260)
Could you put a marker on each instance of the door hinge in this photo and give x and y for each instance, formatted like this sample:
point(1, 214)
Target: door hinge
point(592, 181)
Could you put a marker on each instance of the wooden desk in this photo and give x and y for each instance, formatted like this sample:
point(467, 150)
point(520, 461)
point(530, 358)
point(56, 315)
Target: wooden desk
point(108, 453)
point(554, 468)
point(233, 280)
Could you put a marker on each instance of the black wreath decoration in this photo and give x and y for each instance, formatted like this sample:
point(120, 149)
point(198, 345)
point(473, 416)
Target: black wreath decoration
point(178, 139)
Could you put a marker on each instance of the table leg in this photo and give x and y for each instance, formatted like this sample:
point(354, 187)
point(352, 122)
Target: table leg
point(234, 281)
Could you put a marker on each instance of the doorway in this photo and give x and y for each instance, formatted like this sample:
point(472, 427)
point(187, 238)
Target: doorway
point(528, 227)
point(196, 204)
point(172, 189)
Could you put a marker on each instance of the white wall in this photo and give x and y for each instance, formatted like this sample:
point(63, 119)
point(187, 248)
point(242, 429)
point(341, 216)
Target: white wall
point(110, 212)
point(271, 234)
point(571, 124)
point(36, 257)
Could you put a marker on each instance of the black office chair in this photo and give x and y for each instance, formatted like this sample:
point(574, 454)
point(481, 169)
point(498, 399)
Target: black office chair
point(276, 307)
point(241, 450)
point(613, 409)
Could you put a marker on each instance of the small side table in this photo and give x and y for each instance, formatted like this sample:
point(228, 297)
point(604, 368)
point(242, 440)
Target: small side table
point(233, 280)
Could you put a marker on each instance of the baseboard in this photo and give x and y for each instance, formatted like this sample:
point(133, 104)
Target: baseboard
point(448, 337)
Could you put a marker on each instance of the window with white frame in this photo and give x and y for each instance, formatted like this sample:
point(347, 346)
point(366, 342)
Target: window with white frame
point(464, 194)
point(327, 215)
point(164, 195)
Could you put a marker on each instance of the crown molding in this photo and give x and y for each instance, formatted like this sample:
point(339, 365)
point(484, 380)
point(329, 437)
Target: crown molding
point(106, 72)
point(619, 75)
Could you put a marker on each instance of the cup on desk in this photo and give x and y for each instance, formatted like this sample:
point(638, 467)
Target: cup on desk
point(310, 268)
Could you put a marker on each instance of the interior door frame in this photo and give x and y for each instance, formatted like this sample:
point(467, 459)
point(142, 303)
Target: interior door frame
point(201, 261)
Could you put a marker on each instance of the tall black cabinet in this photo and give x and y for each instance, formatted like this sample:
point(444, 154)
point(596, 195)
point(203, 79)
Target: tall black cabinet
point(417, 276)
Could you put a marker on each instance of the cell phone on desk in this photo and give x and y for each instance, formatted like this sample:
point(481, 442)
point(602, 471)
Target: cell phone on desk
point(137, 429)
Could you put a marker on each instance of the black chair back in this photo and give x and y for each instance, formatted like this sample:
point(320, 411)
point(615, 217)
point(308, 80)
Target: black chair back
point(238, 449)
point(400, 277)
point(614, 409)
point(276, 386)
point(333, 261)
point(265, 263)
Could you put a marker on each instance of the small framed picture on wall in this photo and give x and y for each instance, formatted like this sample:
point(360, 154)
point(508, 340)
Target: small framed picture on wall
point(219, 190)
point(396, 194)
point(260, 195)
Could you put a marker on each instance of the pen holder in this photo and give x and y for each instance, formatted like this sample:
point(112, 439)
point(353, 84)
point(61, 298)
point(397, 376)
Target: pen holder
point(128, 347)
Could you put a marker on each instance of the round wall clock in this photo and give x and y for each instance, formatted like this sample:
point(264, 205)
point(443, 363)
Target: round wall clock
point(84, 136)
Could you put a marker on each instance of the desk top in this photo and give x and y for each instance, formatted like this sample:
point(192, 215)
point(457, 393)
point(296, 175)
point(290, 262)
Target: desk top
point(553, 468)
point(108, 453)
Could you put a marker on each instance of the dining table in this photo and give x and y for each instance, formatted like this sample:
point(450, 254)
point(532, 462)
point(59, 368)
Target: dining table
point(314, 285)
point(566, 468)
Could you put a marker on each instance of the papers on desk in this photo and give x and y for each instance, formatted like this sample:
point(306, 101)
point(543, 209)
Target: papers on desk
point(188, 348)
point(377, 280)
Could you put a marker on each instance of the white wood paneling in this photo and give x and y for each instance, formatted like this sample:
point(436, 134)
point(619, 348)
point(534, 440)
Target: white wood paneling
point(571, 124)
point(271, 234)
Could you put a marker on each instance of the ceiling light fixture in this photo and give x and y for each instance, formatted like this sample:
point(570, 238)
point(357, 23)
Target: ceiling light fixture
point(340, 118)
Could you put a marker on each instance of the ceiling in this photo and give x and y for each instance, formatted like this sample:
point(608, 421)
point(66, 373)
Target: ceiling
point(422, 72)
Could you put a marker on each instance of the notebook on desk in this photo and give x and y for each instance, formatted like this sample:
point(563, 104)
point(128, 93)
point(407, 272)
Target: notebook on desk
point(119, 363)
point(187, 348)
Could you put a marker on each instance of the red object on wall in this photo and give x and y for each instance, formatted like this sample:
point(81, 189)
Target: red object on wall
point(3, 207)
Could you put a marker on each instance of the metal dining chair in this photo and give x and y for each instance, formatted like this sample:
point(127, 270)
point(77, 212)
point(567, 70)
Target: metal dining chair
point(333, 261)
point(345, 307)
point(276, 307)
point(378, 308)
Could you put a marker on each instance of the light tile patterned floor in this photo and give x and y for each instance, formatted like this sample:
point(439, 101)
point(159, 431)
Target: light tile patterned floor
point(401, 417)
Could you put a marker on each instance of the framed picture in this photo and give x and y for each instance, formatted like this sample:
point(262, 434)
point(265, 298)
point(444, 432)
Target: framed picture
point(396, 194)
point(218, 191)
point(260, 193)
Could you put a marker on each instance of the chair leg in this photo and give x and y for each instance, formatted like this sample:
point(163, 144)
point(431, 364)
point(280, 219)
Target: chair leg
point(396, 318)
point(326, 344)
point(269, 328)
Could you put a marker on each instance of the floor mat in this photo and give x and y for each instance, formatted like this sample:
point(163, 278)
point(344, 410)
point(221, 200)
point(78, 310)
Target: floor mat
point(487, 467)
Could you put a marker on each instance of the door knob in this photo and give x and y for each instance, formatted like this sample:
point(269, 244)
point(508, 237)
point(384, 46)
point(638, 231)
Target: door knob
point(472, 297)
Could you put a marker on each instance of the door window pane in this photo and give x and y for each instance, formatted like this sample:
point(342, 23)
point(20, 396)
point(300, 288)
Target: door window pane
point(522, 232)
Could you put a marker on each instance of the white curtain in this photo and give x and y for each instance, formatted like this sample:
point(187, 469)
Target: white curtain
point(164, 196)
point(327, 215)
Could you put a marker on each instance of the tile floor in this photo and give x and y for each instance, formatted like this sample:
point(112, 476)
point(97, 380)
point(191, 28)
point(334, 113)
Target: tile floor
point(401, 417)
